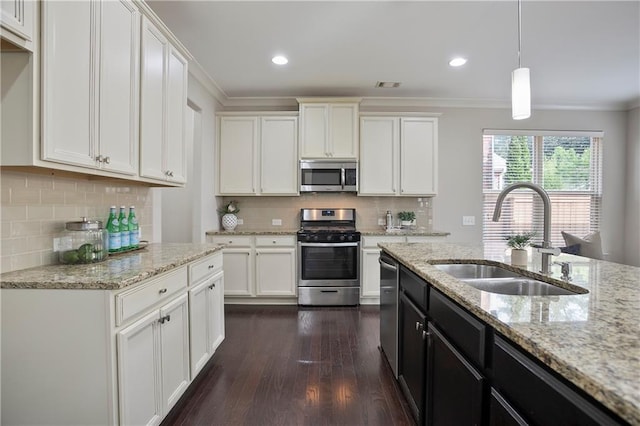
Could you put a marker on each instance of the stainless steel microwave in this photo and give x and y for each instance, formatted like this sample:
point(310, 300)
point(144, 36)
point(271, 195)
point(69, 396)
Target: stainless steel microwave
point(328, 176)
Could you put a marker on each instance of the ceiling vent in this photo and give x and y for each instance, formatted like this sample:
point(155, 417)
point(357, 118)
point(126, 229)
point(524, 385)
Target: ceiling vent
point(388, 84)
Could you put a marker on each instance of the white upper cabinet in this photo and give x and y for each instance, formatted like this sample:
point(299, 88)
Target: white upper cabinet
point(258, 155)
point(329, 128)
point(17, 22)
point(398, 156)
point(90, 84)
point(163, 108)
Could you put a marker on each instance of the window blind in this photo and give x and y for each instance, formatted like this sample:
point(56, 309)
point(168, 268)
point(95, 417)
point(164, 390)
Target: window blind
point(568, 165)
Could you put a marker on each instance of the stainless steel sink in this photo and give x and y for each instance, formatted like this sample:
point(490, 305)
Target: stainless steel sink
point(495, 279)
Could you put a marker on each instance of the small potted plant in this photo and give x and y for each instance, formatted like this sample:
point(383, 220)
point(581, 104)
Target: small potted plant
point(407, 218)
point(518, 244)
point(229, 218)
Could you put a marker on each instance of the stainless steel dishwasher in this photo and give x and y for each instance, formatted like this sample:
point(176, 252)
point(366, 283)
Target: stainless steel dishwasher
point(389, 310)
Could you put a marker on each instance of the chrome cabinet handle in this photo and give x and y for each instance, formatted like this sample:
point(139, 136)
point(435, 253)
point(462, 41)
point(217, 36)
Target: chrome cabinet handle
point(419, 325)
point(212, 286)
point(99, 158)
point(162, 290)
point(211, 266)
point(164, 319)
point(425, 335)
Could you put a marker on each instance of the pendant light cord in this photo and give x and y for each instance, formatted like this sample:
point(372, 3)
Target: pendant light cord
point(519, 33)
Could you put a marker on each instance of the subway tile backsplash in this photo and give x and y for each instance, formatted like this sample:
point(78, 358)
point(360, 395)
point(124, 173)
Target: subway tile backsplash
point(258, 212)
point(35, 208)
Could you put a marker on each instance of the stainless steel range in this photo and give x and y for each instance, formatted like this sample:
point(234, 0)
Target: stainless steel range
point(328, 258)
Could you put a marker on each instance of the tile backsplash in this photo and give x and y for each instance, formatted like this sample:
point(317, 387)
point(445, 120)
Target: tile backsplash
point(35, 208)
point(258, 212)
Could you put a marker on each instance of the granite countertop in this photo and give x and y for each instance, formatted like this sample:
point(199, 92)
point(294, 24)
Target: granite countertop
point(117, 272)
point(592, 339)
point(368, 231)
point(255, 232)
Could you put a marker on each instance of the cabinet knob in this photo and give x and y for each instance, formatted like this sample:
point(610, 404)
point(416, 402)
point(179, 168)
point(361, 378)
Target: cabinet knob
point(425, 335)
point(162, 291)
point(418, 325)
point(99, 158)
point(274, 241)
point(212, 286)
point(211, 266)
point(107, 160)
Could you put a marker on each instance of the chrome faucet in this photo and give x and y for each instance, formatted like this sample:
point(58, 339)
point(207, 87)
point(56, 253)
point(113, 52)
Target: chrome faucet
point(546, 249)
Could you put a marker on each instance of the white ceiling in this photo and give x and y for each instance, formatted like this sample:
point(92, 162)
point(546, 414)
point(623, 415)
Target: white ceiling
point(583, 54)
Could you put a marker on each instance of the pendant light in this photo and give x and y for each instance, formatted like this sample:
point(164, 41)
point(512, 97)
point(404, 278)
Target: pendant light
point(520, 86)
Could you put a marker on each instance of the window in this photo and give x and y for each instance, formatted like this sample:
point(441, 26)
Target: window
point(567, 165)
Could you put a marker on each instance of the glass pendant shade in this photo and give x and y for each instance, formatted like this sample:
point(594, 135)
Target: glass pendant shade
point(520, 94)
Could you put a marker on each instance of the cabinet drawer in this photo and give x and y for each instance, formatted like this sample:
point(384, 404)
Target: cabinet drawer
point(373, 241)
point(233, 240)
point(539, 396)
point(205, 268)
point(466, 332)
point(276, 241)
point(143, 296)
point(414, 287)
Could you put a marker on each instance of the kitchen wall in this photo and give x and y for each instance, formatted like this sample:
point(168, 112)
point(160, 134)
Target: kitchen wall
point(258, 212)
point(632, 228)
point(35, 208)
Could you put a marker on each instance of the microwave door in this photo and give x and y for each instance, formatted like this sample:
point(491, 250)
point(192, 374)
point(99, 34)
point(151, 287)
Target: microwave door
point(320, 179)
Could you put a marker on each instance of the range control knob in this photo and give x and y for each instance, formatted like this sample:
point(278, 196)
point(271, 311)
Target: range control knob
point(329, 237)
point(350, 237)
point(315, 238)
point(307, 238)
point(342, 237)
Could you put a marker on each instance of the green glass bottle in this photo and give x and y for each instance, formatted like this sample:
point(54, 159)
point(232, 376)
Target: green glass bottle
point(124, 230)
point(113, 230)
point(134, 236)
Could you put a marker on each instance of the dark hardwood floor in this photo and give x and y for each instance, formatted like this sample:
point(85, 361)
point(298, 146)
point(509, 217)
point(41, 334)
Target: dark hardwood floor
point(284, 365)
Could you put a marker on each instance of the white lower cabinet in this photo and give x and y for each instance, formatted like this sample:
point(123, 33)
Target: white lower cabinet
point(206, 304)
point(370, 272)
point(121, 357)
point(260, 266)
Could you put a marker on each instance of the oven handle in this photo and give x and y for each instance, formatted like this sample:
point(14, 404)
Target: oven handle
point(328, 244)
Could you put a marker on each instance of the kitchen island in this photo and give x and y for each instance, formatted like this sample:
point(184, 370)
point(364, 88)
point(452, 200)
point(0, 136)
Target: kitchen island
point(591, 340)
point(115, 342)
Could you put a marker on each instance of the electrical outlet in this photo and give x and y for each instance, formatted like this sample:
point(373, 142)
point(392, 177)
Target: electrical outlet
point(381, 222)
point(240, 221)
point(276, 222)
point(468, 220)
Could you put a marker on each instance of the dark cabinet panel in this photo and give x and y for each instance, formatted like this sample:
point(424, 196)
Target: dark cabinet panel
point(412, 355)
point(414, 287)
point(455, 388)
point(503, 414)
point(537, 395)
point(468, 334)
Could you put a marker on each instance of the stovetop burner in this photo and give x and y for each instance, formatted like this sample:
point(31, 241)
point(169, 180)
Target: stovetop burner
point(328, 225)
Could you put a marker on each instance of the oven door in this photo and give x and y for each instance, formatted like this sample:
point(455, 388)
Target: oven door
point(328, 264)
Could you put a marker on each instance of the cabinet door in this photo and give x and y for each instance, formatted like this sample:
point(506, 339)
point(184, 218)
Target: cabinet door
point(314, 122)
point(238, 143)
point(501, 413)
point(370, 273)
point(276, 272)
point(17, 18)
point(69, 58)
point(216, 303)
point(279, 156)
point(174, 351)
point(119, 75)
point(199, 324)
point(152, 100)
point(418, 156)
point(412, 357)
point(238, 267)
point(343, 131)
point(454, 388)
point(175, 149)
point(138, 372)
point(378, 156)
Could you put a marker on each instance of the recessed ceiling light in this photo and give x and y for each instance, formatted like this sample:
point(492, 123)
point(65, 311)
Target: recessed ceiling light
point(388, 84)
point(457, 62)
point(279, 60)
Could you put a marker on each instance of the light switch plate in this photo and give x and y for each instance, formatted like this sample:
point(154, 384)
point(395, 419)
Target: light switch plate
point(276, 222)
point(381, 222)
point(468, 220)
point(240, 221)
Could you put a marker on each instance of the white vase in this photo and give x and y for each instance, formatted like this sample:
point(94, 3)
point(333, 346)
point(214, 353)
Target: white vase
point(519, 257)
point(229, 221)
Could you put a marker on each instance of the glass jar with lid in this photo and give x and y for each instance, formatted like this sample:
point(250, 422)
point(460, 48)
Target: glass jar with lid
point(83, 242)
